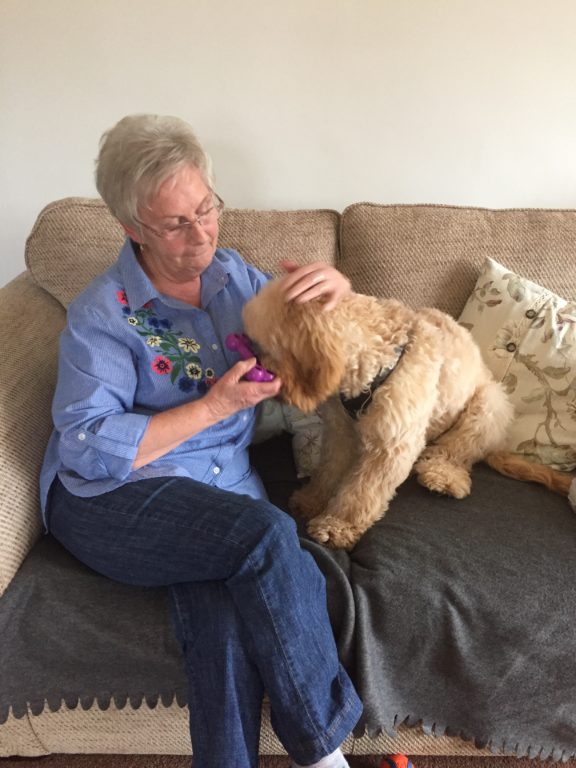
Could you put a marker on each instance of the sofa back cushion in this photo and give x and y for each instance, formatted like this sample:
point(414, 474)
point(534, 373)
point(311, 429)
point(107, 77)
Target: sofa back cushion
point(75, 239)
point(431, 255)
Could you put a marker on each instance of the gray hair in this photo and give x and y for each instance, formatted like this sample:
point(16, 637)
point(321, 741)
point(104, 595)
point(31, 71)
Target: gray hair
point(138, 154)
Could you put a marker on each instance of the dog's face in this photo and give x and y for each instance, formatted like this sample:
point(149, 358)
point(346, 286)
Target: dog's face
point(296, 343)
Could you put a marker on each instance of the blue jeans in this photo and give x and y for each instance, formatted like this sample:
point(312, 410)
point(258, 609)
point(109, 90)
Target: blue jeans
point(249, 606)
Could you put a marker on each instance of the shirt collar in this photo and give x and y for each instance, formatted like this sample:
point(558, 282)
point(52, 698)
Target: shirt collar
point(140, 289)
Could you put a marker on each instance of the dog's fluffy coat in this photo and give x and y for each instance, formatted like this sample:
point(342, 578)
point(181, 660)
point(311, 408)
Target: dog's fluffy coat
point(437, 413)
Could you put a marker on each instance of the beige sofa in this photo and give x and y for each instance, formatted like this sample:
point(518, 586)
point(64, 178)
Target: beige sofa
point(423, 254)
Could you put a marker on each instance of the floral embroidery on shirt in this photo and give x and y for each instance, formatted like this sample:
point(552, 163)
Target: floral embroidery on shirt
point(161, 365)
point(188, 345)
point(193, 371)
point(179, 353)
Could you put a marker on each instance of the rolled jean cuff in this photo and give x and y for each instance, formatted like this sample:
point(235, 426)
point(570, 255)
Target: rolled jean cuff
point(315, 749)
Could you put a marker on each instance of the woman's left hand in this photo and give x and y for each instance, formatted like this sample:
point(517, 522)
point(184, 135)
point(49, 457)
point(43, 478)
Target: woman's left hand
point(305, 282)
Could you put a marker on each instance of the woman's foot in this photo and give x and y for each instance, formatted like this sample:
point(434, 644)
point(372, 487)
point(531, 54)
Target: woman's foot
point(334, 760)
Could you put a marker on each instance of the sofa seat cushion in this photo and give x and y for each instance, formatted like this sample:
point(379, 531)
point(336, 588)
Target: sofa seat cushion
point(430, 255)
point(455, 614)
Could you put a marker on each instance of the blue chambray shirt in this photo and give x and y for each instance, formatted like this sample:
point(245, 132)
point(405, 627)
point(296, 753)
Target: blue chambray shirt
point(128, 352)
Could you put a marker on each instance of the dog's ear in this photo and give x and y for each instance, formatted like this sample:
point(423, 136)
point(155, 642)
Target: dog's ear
point(311, 362)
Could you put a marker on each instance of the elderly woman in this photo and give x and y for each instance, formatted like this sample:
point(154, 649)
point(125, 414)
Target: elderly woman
point(147, 478)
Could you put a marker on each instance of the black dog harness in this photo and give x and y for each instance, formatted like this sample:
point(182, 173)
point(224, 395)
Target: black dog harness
point(356, 406)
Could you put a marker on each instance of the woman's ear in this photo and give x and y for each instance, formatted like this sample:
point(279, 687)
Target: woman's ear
point(132, 233)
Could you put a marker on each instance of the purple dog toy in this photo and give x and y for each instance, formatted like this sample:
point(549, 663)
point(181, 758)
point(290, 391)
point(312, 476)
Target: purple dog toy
point(239, 342)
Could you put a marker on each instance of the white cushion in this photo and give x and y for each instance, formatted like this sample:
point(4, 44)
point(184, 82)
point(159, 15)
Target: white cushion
point(274, 418)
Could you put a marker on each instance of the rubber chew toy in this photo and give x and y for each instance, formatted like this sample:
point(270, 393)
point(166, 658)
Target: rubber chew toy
point(239, 342)
point(396, 761)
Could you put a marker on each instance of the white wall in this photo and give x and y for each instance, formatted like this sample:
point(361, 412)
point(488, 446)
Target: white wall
point(300, 102)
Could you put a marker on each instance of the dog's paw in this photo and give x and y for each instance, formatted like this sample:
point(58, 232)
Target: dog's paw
point(333, 532)
point(443, 477)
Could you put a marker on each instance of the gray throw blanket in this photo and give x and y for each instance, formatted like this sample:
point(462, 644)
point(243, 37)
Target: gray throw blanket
point(460, 616)
point(456, 614)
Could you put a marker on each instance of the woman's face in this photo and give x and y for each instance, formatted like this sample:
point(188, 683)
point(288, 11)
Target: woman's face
point(175, 246)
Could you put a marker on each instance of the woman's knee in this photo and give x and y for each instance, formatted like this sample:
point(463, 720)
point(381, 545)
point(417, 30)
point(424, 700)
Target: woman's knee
point(268, 535)
point(276, 524)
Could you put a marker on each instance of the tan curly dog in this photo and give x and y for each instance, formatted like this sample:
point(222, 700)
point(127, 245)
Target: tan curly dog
point(402, 389)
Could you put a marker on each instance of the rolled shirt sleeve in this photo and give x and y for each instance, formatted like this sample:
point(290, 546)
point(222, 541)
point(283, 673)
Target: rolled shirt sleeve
point(93, 408)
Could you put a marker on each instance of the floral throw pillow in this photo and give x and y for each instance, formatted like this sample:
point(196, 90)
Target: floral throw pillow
point(527, 336)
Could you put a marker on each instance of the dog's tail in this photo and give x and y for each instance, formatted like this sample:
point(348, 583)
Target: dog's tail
point(513, 465)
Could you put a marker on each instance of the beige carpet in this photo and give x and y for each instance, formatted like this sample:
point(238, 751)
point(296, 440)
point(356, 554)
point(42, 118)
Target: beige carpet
point(163, 761)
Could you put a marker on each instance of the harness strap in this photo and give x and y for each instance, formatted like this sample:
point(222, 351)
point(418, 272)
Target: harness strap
point(356, 406)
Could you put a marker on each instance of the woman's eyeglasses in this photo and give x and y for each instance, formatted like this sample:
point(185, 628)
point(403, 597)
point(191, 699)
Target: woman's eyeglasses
point(203, 219)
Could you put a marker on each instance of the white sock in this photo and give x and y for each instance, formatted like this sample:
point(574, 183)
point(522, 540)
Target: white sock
point(335, 760)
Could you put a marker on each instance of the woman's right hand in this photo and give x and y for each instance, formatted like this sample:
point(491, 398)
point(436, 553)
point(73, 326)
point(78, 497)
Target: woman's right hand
point(231, 393)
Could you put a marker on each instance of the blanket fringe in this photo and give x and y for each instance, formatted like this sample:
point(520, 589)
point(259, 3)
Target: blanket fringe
point(104, 699)
point(498, 745)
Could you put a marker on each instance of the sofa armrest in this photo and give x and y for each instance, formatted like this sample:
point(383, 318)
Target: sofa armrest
point(30, 323)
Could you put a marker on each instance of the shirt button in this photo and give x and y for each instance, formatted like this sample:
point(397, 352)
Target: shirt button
point(81, 436)
point(511, 347)
point(214, 346)
point(216, 470)
point(531, 313)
